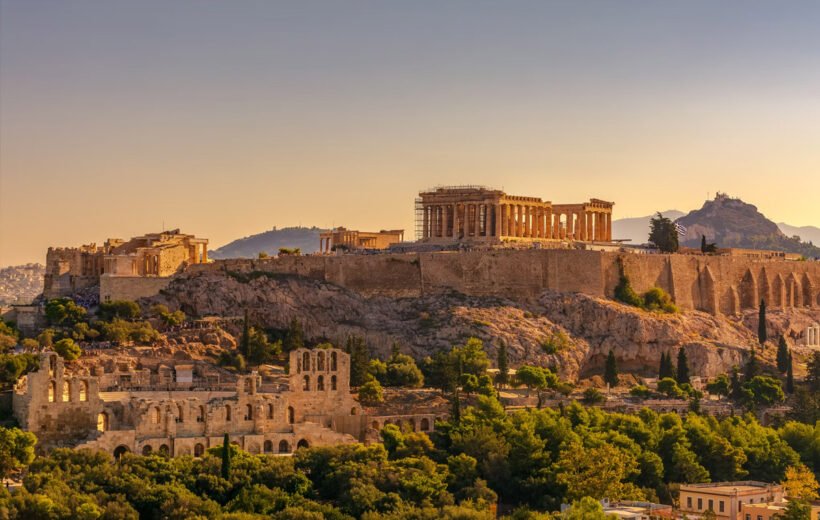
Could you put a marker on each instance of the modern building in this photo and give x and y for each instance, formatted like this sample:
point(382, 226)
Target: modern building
point(727, 500)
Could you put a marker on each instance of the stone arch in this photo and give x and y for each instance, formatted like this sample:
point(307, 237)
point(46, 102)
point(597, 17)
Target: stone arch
point(267, 447)
point(199, 450)
point(778, 292)
point(320, 383)
point(249, 412)
point(270, 411)
point(793, 292)
point(333, 361)
point(102, 422)
point(333, 383)
point(52, 391)
point(164, 450)
point(180, 413)
point(306, 361)
point(200, 416)
point(732, 301)
point(52, 365)
point(706, 287)
point(120, 450)
point(147, 449)
point(320, 361)
point(83, 391)
point(284, 447)
point(303, 443)
point(291, 415)
point(155, 415)
point(748, 291)
point(354, 411)
point(306, 384)
point(425, 424)
point(808, 290)
point(66, 391)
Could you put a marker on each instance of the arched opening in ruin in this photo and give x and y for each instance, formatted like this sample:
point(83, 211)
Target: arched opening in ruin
point(425, 424)
point(778, 292)
point(320, 383)
point(52, 391)
point(333, 382)
point(333, 361)
point(180, 414)
point(270, 411)
point(353, 411)
point(306, 361)
point(147, 449)
point(83, 391)
point(199, 450)
point(291, 415)
point(793, 293)
point(156, 415)
point(164, 450)
point(200, 416)
point(284, 447)
point(119, 451)
point(227, 412)
point(249, 412)
point(320, 361)
point(66, 392)
point(268, 446)
point(52, 365)
point(306, 385)
point(808, 290)
point(303, 443)
point(102, 422)
point(748, 291)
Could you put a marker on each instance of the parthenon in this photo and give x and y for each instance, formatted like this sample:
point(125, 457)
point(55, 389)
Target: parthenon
point(476, 213)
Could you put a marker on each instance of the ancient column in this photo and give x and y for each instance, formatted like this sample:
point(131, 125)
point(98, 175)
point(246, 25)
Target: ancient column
point(445, 222)
point(466, 220)
point(477, 219)
point(608, 227)
point(424, 232)
point(571, 224)
point(497, 215)
point(510, 220)
point(530, 221)
point(601, 226)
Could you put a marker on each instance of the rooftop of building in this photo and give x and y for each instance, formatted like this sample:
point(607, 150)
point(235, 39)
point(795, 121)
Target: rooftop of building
point(729, 488)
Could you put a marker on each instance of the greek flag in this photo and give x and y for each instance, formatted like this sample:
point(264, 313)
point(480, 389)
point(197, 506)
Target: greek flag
point(680, 229)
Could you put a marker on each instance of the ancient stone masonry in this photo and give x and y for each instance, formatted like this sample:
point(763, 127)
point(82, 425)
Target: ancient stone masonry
point(315, 408)
point(478, 214)
point(714, 284)
point(349, 239)
point(122, 269)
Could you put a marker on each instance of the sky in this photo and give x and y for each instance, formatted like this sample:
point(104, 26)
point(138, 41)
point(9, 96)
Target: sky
point(226, 119)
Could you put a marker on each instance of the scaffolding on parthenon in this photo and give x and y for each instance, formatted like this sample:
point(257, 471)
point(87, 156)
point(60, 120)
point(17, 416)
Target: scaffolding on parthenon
point(419, 219)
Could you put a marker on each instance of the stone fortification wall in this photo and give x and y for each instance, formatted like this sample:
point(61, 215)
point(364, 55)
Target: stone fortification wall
point(714, 284)
point(131, 287)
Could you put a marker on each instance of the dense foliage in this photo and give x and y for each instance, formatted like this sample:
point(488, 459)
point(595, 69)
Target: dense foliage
point(535, 459)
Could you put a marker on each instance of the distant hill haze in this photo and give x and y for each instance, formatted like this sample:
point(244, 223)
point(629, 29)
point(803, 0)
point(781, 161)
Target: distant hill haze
point(306, 239)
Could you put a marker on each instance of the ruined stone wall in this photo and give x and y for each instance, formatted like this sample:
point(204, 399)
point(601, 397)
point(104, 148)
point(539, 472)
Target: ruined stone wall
point(171, 258)
point(715, 284)
point(131, 287)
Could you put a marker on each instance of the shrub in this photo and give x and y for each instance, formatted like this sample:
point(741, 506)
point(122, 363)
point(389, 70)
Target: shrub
point(67, 349)
point(656, 299)
point(640, 391)
point(593, 396)
point(371, 392)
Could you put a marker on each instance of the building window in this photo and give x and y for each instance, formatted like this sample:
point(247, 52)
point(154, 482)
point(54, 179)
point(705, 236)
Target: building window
point(711, 505)
point(66, 392)
point(320, 361)
point(689, 502)
point(249, 413)
point(102, 422)
point(270, 411)
point(284, 447)
point(720, 506)
point(156, 415)
point(227, 412)
point(306, 386)
point(333, 382)
point(268, 446)
point(199, 450)
point(306, 362)
point(291, 415)
point(425, 425)
point(200, 417)
point(52, 391)
point(320, 383)
point(83, 390)
point(180, 416)
point(700, 504)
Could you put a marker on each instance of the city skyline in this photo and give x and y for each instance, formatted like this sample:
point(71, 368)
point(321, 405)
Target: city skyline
point(225, 121)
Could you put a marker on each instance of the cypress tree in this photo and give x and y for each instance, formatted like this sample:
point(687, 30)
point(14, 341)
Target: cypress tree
point(782, 355)
point(662, 367)
point(359, 360)
point(503, 365)
point(703, 243)
point(295, 337)
point(790, 376)
point(751, 369)
point(761, 324)
point(226, 457)
point(683, 367)
point(611, 370)
point(456, 407)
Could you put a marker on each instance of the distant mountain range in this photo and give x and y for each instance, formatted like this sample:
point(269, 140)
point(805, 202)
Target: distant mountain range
point(728, 222)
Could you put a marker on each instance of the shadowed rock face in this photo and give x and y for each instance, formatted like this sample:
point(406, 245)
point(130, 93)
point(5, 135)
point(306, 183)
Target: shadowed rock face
point(590, 326)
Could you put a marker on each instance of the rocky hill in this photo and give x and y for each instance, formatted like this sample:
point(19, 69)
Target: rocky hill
point(306, 239)
point(730, 222)
point(571, 331)
point(21, 283)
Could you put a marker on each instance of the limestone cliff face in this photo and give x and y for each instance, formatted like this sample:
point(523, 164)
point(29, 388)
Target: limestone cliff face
point(574, 332)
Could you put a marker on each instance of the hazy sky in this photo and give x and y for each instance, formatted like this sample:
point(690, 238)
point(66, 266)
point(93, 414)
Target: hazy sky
point(228, 118)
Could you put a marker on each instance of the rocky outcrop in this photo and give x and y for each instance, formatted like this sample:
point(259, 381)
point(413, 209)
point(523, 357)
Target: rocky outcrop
point(572, 332)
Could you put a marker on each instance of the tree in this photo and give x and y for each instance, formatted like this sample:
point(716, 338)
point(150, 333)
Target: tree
point(259, 350)
point(703, 243)
point(720, 386)
point(752, 368)
point(16, 450)
point(669, 387)
point(762, 336)
point(64, 312)
point(125, 309)
point(67, 349)
point(800, 483)
point(623, 291)
point(667, 369)
point(503, 376)
point(611, 370)
point(599, 472)
point(593, 396)
point(586, 509)
point(537, 378)
point(764, 390)
point(226, 457)
point(683, 367)
point(813, 372)
point(796, 510)
point(663, 234)
point(782, 355)
point(371, 392)
point(359, 360)
point(790, 376)
point(294, 337)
